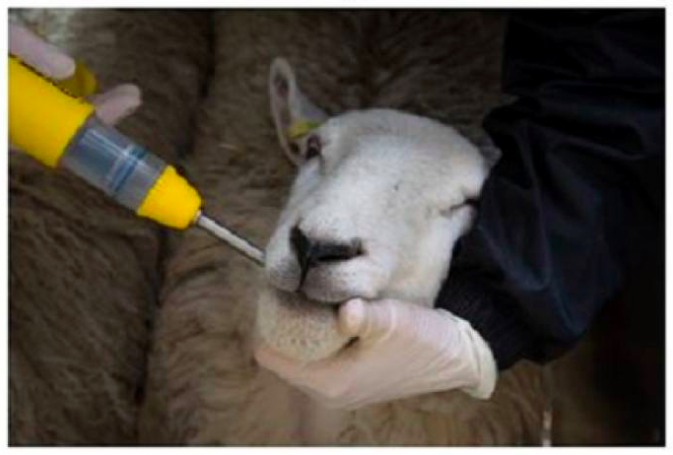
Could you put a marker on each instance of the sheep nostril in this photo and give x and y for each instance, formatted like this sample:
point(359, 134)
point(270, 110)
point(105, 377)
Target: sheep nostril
point(302, 250)
point(301, 244)
point(336, 252)
point(311, 253)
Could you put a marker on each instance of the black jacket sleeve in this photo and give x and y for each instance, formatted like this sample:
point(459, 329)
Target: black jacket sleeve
point(579, 187)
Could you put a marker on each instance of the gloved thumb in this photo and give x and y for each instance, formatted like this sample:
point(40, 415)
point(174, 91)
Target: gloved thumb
point(367, 320)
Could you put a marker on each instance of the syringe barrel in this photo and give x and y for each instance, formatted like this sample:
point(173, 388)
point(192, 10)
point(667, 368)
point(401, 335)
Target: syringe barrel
point(130, 175)
point(110, 161)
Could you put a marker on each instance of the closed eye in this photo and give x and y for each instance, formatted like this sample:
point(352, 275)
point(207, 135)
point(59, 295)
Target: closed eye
point(470, 202)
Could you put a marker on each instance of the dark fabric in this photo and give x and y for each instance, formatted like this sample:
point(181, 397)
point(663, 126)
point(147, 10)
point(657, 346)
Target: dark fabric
point(579, 189)
point(499, 324)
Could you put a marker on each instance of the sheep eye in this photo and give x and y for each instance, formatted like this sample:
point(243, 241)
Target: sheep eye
point(313, 147)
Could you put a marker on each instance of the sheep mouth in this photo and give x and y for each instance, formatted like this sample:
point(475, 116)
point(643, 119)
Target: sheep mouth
point(331, 304)
point(304, 299)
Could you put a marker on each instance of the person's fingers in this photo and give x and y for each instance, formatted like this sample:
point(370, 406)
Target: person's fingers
point(272, 360)
point(352, 317)
point(321, 373)
point(377, 320)
point(117, 103)
point(37, 53)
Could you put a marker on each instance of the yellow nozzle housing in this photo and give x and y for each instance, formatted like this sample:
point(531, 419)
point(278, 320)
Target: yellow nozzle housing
point(171, 201)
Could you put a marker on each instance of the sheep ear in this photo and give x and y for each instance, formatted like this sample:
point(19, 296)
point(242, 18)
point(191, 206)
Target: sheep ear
point(293, 114)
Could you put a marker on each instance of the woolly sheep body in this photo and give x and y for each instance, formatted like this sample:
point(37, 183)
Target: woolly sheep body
point(204, 386)
point(83, 285)
point(84, 273)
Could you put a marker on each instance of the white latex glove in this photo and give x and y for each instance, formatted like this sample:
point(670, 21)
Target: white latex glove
point(111, 106)
point(402, 350)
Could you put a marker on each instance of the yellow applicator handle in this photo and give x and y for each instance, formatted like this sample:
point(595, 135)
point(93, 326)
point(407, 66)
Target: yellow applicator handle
point(42, 117)
point(52, 122)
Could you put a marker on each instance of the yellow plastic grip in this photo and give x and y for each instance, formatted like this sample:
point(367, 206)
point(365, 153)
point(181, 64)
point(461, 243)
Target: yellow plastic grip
point(42, 117)
point(81, 83)
point(171, 201)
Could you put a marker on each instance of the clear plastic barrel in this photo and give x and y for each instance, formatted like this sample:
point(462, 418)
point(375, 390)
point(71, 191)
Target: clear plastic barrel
point(112, 162)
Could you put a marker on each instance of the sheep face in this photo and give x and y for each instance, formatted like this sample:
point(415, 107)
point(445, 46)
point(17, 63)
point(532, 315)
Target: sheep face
point(379, 201)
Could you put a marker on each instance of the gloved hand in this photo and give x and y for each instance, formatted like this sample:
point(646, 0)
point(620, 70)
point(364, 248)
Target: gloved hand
point(111, 106)
point(402, 350)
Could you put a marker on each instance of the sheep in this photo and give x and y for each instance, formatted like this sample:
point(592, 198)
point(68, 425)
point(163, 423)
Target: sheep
point(203, 384)
point(84, 274)
point(64, 263)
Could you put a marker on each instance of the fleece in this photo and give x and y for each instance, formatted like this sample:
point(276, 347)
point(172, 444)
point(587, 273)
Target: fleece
point(95, 291)
point(204, 386)
point(84, 274)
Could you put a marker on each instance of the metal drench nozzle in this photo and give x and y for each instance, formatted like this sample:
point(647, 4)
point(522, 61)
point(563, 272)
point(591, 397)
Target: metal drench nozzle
point(231, 238)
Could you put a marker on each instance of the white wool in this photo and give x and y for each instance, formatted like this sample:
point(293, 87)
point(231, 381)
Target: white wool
point(301, 329)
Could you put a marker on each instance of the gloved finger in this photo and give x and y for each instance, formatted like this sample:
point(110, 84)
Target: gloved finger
point(368, 320)
point(117, 103)
point(272, 360)
point(319, 374)
point(39, 54)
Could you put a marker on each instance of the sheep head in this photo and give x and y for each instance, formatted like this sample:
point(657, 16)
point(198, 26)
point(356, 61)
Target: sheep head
point(379, 200)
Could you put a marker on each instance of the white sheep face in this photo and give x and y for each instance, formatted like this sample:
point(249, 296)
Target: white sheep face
point(377, 205)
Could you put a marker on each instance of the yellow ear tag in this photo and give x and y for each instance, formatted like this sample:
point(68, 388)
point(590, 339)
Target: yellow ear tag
point(300, 128)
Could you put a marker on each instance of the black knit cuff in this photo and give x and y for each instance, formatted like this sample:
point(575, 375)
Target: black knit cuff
point(509, 338)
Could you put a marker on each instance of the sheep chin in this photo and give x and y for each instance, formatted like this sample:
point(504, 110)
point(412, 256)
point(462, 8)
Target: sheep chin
point(297, 327)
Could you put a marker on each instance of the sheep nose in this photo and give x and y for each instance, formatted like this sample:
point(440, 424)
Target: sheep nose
point(312, 252)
